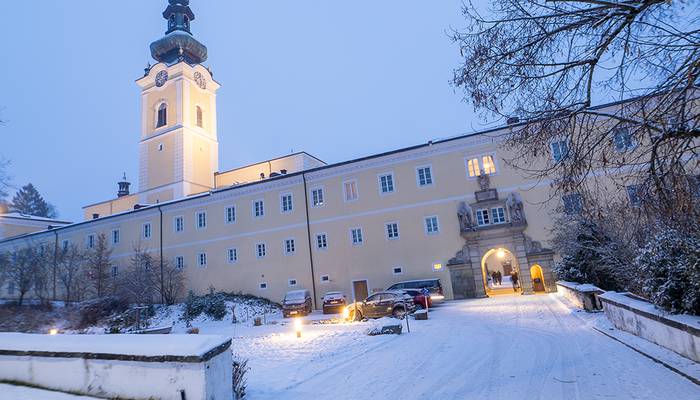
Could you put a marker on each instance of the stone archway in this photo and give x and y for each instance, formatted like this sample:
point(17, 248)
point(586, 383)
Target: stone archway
point(499, 267)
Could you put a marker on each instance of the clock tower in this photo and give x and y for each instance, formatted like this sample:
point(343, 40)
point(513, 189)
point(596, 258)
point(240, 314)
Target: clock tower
point(179, 150)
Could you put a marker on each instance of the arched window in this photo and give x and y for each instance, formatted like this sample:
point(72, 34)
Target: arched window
point(162, 115)
point(200, 117)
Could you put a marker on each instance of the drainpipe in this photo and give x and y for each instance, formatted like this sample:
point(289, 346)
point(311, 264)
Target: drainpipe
point(162, 277)
point(55, 262)
point(308, 236)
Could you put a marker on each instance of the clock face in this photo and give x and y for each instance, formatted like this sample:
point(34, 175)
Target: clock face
point(201, 80)
point(161, 78)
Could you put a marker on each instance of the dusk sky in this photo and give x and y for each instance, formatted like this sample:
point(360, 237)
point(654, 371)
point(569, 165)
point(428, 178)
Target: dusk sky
point(337, 79)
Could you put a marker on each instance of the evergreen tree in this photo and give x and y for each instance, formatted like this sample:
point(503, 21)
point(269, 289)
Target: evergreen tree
point(28, 201)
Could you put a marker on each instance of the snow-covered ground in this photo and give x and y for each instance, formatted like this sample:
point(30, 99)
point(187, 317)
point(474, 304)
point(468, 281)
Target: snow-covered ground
point(11, 392)
point(506, 347)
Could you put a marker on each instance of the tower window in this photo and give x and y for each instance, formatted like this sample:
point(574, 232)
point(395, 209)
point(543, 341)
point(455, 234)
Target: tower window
point(162, 115)
point(200, 117)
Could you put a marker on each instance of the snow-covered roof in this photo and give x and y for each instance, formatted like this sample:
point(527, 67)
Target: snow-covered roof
point(28, 217)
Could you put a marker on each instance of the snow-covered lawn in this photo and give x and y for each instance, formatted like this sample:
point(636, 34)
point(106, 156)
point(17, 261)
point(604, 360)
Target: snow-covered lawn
point(11, 392)
point(507, 347)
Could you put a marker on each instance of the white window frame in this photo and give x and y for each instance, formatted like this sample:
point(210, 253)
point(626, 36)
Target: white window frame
point(263, 286)
point(228, 221)
point(179, 262)
point(196, 219)
point(160, 147)
point(202, 256)
point(116, 236)
point(262, 208)
point(325, 241)
point(321, 190)
point(394, 272)
point(630, 145)
point(427, 225)
point(386, 230)
point(325, 281)
point(636, 188)
point(65, 245)
point(572, 195)
point(258, 246)
point(486, 220)
point(494, 214)
point(175, 219)
point(234, 251)
point(558, 143)
point(393, 183)
point(429, 167)
point(282, 203)
point(290, 284)
point(480, 164)
point(146, 231)
point(345, 192)
point(361, 236)
point(91, 241)
point(285, 248)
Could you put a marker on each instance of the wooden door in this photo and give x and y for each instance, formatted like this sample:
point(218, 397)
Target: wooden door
point(360, 290)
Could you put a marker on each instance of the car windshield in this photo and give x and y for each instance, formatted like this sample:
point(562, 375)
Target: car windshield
point(333, 295)
point(295, 295)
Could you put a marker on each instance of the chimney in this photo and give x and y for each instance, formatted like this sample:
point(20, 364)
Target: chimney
point(123, 187)
point(95, 216)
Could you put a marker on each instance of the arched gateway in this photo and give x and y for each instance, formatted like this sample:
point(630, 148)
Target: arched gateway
point(495, 241)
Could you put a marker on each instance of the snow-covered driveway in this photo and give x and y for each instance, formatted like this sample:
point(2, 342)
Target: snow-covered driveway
point(507, 347)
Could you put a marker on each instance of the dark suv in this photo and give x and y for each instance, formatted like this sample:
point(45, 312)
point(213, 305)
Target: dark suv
point(433, 285)
point(297, 303)
point(382, 304)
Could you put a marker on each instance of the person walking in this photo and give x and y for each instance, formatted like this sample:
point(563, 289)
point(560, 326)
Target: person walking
point(494, 278)
point(514, 279)
point(499, 277)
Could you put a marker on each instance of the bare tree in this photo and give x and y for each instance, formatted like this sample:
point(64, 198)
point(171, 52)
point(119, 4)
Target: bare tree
point(173, 283)
point(99, 266)
point(71, 273)
point(17, 271)
point(40, 266)
point(136, 281)
point(547, 62)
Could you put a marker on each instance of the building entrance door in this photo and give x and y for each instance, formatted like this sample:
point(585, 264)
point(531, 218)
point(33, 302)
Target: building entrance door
point(360, 290)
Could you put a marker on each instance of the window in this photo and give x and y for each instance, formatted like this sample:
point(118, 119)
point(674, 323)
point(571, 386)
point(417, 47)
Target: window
point(91, 241)
point(64, 245)
point(115, 237)
point(424, 175)
point(317, 197)
point(147, 231)
point(431, 226)
point(258, 208)
point(230, 214)
point(498, 214)
point(263, 285)
point(232, 255)
point(162, 115)
point(482, 217)
point(356, 236)
point(260, 250)
point(180, 262)
point(572, 203)
point(201, 219)
point(287, 204)
point(350, 190)
point(437, 266)
point(292, 282)
point(325, 278)
point(11, 288)
point(289, 246)
point(622, 139)
point(200, 117)
point(160, 147)
point(321, 241)
point(560, 150)
point(115, 271)
point(179, 224)
point(202, 259)
point(397, 270)
point(386, 183)
point(392, 231)
point(477, 166)
point(634, 193)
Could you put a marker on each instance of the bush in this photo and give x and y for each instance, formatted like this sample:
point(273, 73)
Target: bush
point(193, 307)
point(215, 306)
point(93, 311)
point(669, 266)
point(240, 368)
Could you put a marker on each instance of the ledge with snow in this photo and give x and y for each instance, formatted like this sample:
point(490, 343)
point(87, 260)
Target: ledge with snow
point(679, 333)
point(192, 367)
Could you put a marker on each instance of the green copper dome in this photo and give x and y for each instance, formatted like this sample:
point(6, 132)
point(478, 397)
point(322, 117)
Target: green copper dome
point(178, 44)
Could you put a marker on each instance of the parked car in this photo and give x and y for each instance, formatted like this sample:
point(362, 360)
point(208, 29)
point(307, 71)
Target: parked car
point(433, 285)
point(334, 302)
point(383, 304)
point(296, 303)
point(419, 298)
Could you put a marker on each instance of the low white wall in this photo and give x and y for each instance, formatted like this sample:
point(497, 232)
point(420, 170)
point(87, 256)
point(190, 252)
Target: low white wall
point(582, 295)
point(679, 333)
point(121, 366)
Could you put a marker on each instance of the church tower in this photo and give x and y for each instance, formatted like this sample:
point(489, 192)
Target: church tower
point(179, 150)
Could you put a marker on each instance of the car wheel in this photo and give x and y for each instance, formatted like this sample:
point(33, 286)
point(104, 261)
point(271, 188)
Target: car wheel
point(399, 312)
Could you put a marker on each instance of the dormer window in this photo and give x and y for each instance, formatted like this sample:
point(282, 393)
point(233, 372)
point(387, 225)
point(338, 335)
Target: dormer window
point(162, 115)
point(200, 117)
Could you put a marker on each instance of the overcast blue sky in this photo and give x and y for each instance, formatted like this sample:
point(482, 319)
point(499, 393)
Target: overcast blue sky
point(338, 79)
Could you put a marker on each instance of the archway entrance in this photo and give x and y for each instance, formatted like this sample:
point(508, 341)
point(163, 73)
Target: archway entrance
point(537, 276)
point(501, 273)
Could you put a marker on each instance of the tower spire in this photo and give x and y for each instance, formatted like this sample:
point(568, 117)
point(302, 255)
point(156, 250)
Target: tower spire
point(178, 44)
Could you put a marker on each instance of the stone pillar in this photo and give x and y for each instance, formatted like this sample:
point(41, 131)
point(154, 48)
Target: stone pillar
point(523, 264)
point(462, 278)
point(475, 257)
